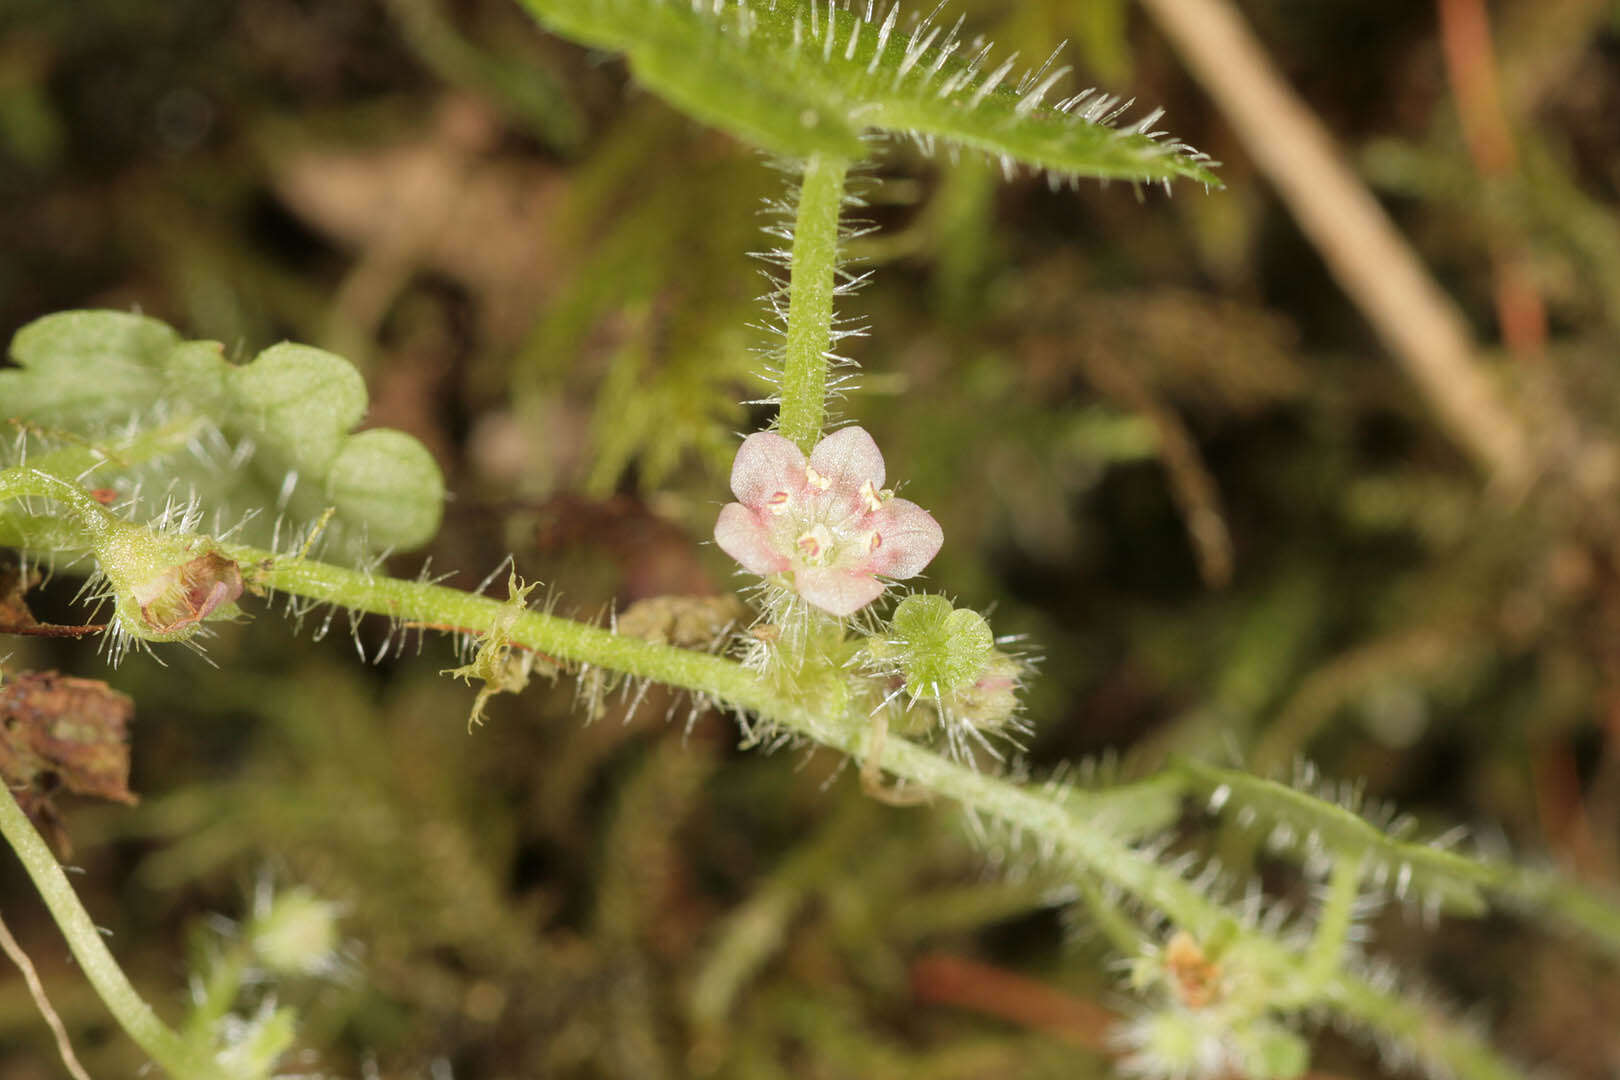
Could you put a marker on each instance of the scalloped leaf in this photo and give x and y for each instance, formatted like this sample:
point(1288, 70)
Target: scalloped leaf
point(299, 402)
point(84, 373)
point(379, 477)
point(85, 369)
point(805, 78)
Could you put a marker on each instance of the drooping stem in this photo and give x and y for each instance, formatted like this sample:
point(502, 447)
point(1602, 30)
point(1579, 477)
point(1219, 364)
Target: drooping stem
point(812, 279)
point(137, 1019)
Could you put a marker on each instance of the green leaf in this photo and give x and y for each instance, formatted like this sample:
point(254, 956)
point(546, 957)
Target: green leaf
point(196, 372)
point(89, 375)
point(389, 481)
point(773, 114)
point(802, 79)
point(85, 369)
point(299, 402)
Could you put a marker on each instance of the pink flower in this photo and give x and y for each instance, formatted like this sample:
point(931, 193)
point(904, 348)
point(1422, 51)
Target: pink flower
point(827, 523)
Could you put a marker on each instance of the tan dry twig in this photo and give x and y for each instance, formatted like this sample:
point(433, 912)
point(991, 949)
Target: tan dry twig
point(1363, 250)
point(36, 989)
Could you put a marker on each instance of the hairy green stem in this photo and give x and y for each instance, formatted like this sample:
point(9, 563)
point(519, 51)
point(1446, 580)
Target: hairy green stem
point(1063, 830)
point(67, 467)
point(1038, 816)
point(810, 300)
point(219, 994)
point(436, 607)
point(1121, 933)
point(1326, 954)
point(89, 523)
point(137, 1019)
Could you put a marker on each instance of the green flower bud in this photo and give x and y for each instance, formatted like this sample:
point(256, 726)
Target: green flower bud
point(942, 650)
point(947, 656)
point(1174, 1042)
point(165, 586)
point(1272, 1052)
point(296, 935)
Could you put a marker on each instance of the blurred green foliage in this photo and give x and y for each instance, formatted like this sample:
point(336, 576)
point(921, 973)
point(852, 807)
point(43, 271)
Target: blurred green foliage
point(544, 273)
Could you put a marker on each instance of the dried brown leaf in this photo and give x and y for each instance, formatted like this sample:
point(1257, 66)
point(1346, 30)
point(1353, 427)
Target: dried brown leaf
point(57, 733)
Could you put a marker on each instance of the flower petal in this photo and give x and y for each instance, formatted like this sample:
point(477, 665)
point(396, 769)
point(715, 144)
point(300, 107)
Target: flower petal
point(837, 591)
point(743, 534)
point(910, 538)
point(849, 457)
point(765, 464)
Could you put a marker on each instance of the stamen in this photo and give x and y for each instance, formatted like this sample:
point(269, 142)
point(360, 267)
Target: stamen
point(817, 481)
point(779, 502)
point(815, 543)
